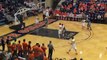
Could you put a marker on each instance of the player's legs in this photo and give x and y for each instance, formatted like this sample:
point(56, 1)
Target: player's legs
point(69, 50)
point(75, 48)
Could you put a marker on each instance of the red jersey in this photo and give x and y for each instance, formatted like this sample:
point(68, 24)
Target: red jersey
point(25, 46)
point(31, 56)
point(13, 47)
point(9, 47)
point(19, 47)
point(37, 51)
point(45, 58)
point(43, 48)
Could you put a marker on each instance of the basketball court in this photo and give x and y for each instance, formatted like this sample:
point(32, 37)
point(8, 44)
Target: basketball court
point(91, 45)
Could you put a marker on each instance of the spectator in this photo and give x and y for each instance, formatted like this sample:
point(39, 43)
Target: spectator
point(78, 7)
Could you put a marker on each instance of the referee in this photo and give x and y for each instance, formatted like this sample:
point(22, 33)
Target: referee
point(50, 50)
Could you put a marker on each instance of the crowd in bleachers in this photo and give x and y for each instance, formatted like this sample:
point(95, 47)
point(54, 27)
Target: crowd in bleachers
point(72, 8)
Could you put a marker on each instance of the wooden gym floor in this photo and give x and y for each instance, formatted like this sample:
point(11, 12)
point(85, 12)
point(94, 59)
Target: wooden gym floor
point(91, 45)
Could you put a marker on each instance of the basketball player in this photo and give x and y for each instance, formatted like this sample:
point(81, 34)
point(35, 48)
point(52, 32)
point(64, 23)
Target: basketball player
point(60, 33)
point(36, 20)
point(44, 14)
point(63, 26)
point(47, 12)
point(60, 30)
point(46, 25)
point(88, 23)
point(73, 46)
point(63, 30)
point(60, 25)
point(46, 21)
point(83, 24)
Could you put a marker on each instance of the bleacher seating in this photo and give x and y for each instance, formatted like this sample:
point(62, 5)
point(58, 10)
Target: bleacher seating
point(71, 8)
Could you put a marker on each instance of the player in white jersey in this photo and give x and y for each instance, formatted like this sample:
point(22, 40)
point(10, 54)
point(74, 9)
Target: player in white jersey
point(60, 30)
point(60, 25)
point(63, 30)
point(60, 33)
point(47, 12)
point(73, 46)
point(36, 20)
point(83, 24)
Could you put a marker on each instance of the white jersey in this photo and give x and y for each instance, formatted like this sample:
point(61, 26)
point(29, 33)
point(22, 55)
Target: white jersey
point(47, 13)
point(36, 21)
point(63, 27)
point(60, 31)
point(73, 44)
point(60, 26)
point(83, 23)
